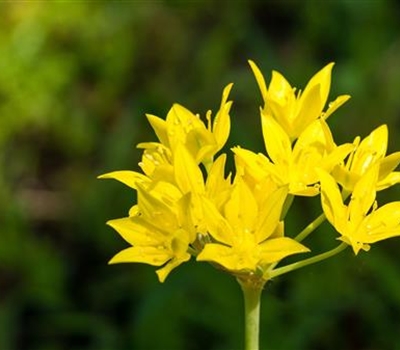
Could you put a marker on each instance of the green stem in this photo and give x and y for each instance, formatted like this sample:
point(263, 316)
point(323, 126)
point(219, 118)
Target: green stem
point(286, 206)
point(314, 259)
point(310, 228)
point(252, 298)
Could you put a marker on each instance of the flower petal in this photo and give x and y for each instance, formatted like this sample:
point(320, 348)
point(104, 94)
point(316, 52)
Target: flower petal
point(127, 177)
point(222, 121)
point(323, 80)
point(216, 224)
point(388, 164)
point(277, 142)
point(160, 128)
point(260, 79)
point(333, 106)
point(392, 179)
point(370, 149)
point(134, 231)
point(220, 254)
point(147, 255)
point(166, 270)
point(363, 196)
point(310, 108)
point(383, 223)
point(331, 201)
point(274, 250)
point(187, 173)
point(270, 213)
point(241, 209)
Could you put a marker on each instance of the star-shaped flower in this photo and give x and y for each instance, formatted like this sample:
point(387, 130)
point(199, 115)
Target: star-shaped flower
point(360, 222)
point(294, 111)
point(295, 165)
point(367, 153)
point(247, 234)
point(157, 229)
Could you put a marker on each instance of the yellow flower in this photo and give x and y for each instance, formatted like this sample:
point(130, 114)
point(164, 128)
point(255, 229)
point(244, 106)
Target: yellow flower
point(358, 224)
point(169, 218)
point(294, 166)
point(157, 229)
point(294, 111)
point(247, 235)
point(169, 213)
point(182, 127)
point(367, 153)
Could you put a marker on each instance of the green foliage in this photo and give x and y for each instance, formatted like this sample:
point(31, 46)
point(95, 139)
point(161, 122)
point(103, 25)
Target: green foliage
point(76, 79)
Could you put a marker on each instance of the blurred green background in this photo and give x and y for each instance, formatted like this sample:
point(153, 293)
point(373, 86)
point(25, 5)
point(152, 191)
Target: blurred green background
point(76, 79)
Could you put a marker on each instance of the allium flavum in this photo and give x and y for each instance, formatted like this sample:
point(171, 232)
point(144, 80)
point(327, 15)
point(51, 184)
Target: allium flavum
point(188, 207)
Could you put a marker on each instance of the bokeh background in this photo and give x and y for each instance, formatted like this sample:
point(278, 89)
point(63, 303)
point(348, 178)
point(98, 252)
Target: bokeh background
point(76, 79)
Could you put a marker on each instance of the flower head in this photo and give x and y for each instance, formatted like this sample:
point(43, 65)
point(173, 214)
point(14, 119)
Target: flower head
point(186, 205)
point(246, 232)
point(294, 111)
point(366, 154)
point(182, 127)
point(360, 223)
point(157, 229)
point(295, 165)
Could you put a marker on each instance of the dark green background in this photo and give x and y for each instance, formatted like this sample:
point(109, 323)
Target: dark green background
point(76, 79)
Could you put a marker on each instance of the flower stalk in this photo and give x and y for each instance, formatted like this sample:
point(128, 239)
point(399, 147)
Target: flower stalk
point(297, 265)
point(252, 299)
point(310, 227)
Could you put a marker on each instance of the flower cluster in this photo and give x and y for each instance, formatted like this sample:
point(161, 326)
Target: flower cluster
point(188, 206)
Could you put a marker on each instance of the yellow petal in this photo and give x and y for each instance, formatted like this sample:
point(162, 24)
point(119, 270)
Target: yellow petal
point(129, 178)
point(216, 183)
point(180, 121)
point(336, 157)
point(388, 164)
point(274, 250)
point(383, 223)
point(156, 211)
point(167, 192)
point(363, 195)
point(222, 121)
point(355, 244)
point(323, 80)
point(310, 108)
point(187, 173)
point(166, 270)
point(260, 79)
point(134, 231)
point(283, 113)
point(270, 214)
point(392, 179)
point(217, 225)
point(333, 106)
point(371, 148)
point(331, 200)
point(277, 142)
point(248, 163)
point(147, 255)
point(317, 135)
point(279, 89)
point(222, 255)
point(160, 128)
point(241, 209)
point(310, 151)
